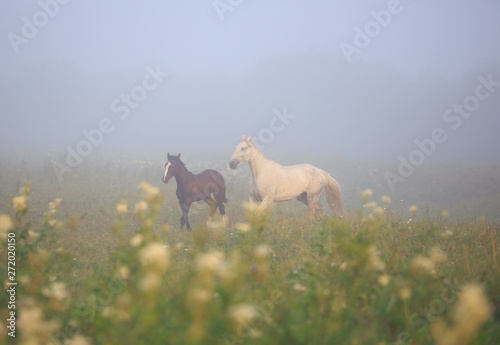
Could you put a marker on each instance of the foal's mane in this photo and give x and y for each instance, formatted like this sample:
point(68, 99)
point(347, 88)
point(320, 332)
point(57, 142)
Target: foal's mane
point(178, 160)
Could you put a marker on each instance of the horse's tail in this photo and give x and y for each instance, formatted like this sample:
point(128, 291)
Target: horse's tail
point(221, 190)
point(333, 194)
point(223, 196)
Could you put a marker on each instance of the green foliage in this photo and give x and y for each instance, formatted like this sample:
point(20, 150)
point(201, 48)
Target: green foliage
point(370, 278)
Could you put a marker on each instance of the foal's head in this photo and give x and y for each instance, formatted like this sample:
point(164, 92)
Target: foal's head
point(242, 153)
point(172, 167)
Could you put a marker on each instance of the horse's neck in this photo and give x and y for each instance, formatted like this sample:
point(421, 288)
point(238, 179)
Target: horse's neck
point(183, 177)
point(258, 163)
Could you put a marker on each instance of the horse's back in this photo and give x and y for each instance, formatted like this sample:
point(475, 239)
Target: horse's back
point(285, 182)
point(214, 181)
point(304, 170)
point(211, 174)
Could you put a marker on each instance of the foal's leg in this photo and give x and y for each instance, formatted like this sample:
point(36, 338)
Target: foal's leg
point(213, 207)
point(184, 219)
point(222, 207)
point(222, 210)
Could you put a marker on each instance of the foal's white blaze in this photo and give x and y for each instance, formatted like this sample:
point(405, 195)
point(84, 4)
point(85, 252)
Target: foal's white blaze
point(166, 170)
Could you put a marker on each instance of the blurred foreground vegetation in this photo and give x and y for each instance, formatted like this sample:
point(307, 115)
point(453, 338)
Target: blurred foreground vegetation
point(106, 264)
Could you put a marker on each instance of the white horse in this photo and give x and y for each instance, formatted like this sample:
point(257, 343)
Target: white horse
point(273, 182)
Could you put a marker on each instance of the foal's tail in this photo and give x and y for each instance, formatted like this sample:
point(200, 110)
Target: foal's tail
point(333, 194)
point(220, 195)
point(223, 196)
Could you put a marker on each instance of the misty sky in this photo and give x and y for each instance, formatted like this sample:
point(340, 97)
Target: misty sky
point(360, 80)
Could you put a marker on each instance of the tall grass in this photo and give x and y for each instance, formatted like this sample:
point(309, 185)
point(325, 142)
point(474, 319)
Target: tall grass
point(370, 278)
point(106, 264)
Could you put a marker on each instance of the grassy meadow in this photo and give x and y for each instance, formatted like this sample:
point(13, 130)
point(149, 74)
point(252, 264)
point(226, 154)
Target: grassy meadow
point(99, 258)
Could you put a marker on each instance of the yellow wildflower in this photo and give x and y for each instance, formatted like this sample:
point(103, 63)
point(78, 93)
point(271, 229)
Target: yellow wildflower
point(421, 265)
point(413, 210)
point(123, 271)
point(366, 195)
point(57, 291)
point(437, 256)
point(137, 240)
point(374, 260)
point(19, 203)
point(149, 189)
point(379, 212)
point(36, 330)
point(385, 199)
point(299, 287)
point(242, 313)
point(371, 205)
point(200, 295)
point(444, 214)
point(141, 206)
point(54, 206)
point(384, 279)
point(122, 207)
point(262, 251)
point(79, 340)
point(447, 233)
point(211, 262)
point(243, 227)
point(178, 247)
point(150, 282)
point(473, 309)
point(26, 190)
point(5, 225)
point(32, 235)
point(404, 293)
point(155, 256)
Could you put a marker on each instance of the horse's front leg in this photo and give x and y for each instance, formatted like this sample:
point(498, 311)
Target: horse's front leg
point(184, 218)
point(252, 199)
point(266, 201)
point(253, 194)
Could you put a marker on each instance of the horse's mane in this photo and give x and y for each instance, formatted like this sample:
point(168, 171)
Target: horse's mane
point(174, 158)
point(251, 143)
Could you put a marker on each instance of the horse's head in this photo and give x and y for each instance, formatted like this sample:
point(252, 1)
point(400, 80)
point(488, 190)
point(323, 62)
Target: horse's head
point(171, 167)
point(242, 152)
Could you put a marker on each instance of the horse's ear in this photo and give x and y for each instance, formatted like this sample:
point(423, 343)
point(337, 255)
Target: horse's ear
point(250, 138)
point(168, 156)
point(179, 156)
point(243, 137)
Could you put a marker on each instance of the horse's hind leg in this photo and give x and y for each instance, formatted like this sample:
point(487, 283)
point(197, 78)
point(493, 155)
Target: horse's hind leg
point(213, 207)
point(220, 196)
point(303, 198)
point(222, 207)
point(314, 205)
point(314, 208)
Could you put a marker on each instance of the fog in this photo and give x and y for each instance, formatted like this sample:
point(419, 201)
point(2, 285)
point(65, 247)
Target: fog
point(371, 81)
